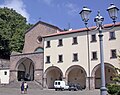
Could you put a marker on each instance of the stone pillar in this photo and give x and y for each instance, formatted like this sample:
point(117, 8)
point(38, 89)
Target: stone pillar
point(13, 75)
point(38, 76)
point(64, 79)
point(45, 81)
point(87, 83)
point(90, 84)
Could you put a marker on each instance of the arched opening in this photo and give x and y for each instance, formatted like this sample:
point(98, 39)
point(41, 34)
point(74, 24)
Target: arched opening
point(39, 49)
point(109, 74)
point(76, 75)
point(53, 73)
point(25, 70)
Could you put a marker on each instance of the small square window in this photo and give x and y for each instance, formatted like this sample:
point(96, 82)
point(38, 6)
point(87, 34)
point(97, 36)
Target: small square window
point(113, 53)
point(75, 40)
point(47, 59)
point(94, 55)
point(75, 57)
point(60, 43)
point(60, 58)
point(93, 38)
point(5, 73)
point(112, 36)
point(48, 44)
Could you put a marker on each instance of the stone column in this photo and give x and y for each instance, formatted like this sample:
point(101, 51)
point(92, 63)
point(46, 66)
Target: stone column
point(38, 76)
point(90, 84)
point(64, 79)
point(13, 75)
point(45, 81)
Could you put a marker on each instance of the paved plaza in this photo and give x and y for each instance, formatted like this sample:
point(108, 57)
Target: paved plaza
point(16, 91)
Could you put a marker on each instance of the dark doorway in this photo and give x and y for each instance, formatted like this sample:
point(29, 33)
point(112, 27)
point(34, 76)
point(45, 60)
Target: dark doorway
point(21, 75)
point(25, 70)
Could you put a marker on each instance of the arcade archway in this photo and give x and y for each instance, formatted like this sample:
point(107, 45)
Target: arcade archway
point(109, 74)
point(76, 75)
point(53, 73)
point(25, 69)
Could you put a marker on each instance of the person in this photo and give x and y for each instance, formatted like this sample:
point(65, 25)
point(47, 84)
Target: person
point(25, 87)
point(22, 88)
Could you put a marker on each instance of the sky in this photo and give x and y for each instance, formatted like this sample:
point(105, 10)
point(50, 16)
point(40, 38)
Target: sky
point(61, 13)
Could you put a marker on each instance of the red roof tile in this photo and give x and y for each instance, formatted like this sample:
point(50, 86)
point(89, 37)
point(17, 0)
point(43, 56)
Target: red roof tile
point(79, 30)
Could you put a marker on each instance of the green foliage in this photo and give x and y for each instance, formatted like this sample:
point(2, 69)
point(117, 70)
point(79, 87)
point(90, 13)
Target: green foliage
point(12, 30)
point(113, 89)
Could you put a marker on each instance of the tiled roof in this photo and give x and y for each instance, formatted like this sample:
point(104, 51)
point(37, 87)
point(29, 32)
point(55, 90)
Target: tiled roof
point(80, 30)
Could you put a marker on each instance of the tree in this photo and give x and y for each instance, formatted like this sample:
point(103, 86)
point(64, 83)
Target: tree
point(114, 88)
point(12, 29)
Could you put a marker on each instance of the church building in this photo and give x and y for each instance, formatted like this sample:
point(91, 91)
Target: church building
point(51, 54)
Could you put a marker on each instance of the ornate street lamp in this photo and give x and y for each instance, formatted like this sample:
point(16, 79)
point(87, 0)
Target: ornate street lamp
point(85, 13)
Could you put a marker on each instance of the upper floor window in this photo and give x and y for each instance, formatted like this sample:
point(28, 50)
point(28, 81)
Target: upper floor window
point(75, 57)
point(75, 40)
point(93, 38)
point(47, 59)
point(60, 58)
point(60, 42)
point(48, 44)
point(112, 35)
point(113, 53)
point(94, 55)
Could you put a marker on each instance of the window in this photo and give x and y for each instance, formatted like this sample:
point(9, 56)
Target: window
point(39, 39)
point(58, 83)
point(47, 59)
point(60, 58)
point(94, 55)
point(75, 40)
point(5, 73)
point(39, 49)
point(48, 44)
point(60, 42)
point(113, 53)
point(112, 35)
point(93, 38)
point(75, 57)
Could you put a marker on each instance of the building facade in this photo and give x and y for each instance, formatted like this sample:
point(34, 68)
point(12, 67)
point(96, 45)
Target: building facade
point(50, 54)
point(74, 56)
point(28, 65)
point(4, 71)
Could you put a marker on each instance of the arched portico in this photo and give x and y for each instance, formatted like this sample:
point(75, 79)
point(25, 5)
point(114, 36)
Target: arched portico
point(109, 74)
point(25, 69)
point(51, 74)
point(76, 75)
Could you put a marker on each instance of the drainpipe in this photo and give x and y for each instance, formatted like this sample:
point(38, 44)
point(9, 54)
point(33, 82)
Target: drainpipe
point(88, 59)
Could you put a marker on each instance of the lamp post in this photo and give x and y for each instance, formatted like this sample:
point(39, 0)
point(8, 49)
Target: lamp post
point(112, 10)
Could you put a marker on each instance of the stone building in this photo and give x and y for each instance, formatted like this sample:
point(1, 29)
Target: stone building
point(28, 65)
point(4, 71)
point(73, 56)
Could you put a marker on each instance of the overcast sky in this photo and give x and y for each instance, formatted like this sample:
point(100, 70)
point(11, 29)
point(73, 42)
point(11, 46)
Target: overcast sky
point(61, 13)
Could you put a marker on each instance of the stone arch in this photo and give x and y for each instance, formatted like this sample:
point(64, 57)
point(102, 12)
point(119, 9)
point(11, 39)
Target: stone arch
point(39, 49)
point(109, 74)
point(76, 75)
point(25, 69)
point(51, 74)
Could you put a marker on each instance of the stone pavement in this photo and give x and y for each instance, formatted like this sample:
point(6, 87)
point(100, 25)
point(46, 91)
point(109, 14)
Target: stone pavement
point(16, 91)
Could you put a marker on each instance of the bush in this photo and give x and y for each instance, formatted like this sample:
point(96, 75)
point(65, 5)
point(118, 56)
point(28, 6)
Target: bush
point(113, 89)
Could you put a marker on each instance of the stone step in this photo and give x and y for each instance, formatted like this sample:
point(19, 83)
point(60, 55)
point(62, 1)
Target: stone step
point(17, 84)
